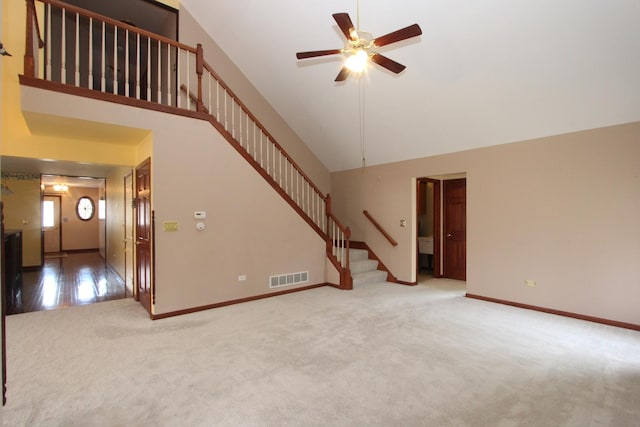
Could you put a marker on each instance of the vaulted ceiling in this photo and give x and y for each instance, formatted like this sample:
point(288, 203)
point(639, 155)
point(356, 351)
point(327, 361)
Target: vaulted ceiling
point(483, 72)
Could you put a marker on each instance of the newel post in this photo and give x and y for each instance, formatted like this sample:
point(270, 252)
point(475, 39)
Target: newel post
point(29, 61)
point(348, 281)
point(199, 72)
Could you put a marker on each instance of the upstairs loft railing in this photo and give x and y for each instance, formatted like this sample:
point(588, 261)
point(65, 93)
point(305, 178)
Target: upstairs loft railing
point(86, 50)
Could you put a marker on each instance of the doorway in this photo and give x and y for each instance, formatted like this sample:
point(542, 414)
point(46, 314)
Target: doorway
point(51, 224)
point(441, 227)
point(428, 228)
point(74, 270)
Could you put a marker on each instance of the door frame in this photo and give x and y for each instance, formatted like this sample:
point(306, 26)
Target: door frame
point(130, 246)
point(437, 209)
point(59, 197)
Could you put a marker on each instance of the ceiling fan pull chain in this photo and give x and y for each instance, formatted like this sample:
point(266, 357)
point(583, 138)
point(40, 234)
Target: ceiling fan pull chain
point(362, 124)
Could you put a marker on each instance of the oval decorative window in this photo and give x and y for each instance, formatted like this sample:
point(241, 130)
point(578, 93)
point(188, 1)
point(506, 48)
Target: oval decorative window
point(85, 208)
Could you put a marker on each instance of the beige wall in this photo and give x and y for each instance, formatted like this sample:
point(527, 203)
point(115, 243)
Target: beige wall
point(191, 33)
point(250, 230)
point(563, 211)
point(22, 212)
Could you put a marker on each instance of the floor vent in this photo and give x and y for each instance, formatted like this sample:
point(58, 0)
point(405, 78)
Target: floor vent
point(288, 279)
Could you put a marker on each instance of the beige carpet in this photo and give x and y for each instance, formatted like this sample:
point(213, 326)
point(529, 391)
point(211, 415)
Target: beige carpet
point(385, 355)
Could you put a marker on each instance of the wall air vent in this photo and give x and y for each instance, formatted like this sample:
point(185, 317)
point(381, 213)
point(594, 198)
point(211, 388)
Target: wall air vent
point(288, 279)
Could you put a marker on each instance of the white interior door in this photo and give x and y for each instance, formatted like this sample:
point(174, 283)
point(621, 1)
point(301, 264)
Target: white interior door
point(51, 223)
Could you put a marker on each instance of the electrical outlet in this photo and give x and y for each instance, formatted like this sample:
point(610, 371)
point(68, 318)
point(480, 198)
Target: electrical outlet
point(242, 278)
point(403, 223)
point(530, 283)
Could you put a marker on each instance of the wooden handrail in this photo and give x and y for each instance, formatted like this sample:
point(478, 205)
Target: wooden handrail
point(201, 65)
point(380, 229)
point(262, 128)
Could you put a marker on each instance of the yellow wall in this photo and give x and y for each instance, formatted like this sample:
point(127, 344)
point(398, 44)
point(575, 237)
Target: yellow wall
point(22, 212)
point(173, 3)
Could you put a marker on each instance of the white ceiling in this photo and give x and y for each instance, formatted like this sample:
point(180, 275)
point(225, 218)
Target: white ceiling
point(483, 72)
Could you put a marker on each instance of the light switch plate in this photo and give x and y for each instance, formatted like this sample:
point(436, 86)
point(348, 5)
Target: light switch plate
point(170, 226)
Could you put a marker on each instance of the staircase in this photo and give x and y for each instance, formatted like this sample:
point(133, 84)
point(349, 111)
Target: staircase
point(169, 76)
point(363, 269)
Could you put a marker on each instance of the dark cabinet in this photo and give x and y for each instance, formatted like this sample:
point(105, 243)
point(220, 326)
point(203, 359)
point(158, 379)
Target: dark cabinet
point(12, 241)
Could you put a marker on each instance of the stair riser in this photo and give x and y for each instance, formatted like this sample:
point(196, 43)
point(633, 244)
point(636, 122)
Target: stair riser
point(363, 266)
point(358, 254)
point(376, 276)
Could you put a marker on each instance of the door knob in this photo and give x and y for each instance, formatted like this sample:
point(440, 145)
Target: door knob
point(449, 235)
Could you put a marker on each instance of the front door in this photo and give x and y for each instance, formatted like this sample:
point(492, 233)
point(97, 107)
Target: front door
point(144, 235)
point(454, 195)
point(51, 223)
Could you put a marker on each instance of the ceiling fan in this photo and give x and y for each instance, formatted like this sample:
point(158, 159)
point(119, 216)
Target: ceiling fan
point(361, 47)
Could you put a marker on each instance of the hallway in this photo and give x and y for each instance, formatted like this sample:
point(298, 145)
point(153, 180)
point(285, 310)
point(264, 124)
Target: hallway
point(67, 280)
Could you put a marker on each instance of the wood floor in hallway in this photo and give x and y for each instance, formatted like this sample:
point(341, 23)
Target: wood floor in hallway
point(68, 280)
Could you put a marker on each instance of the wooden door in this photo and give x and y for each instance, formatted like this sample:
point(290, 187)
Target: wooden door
point(144, 235)
point(454, 199)
point(51, 223)
point(128, 240)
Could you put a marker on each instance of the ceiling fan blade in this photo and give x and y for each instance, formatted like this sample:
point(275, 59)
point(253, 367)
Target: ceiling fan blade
point(401, 34)
point(314, 53)
point(387, 63)
point(343, 74)
point(345, 24)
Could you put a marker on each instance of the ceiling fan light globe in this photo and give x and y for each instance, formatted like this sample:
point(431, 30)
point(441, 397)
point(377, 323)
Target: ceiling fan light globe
point(357, 61)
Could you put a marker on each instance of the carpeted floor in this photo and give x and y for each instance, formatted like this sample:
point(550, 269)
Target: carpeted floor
point(386, 355)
